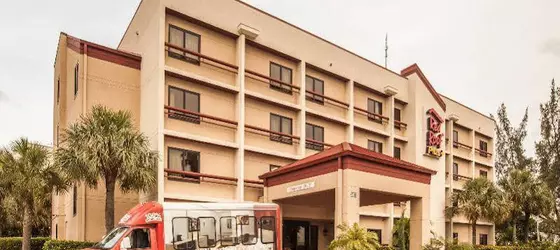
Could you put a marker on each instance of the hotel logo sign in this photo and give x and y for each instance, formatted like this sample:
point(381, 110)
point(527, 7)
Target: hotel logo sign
point(434, 135)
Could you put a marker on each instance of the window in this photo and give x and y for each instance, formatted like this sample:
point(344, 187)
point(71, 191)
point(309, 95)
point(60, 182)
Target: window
point(455, 171)
point(455, 237)
point(483, 174)
point(248, 230)
point(58, 90)
point(185, 100)
point(268, 229)
point(76, 72)
point(273, 167)
point(378, 233)
point(75, 200)
point(375, 107)
point(182, 233)
point(207, 232)
point(283, 125)
point(183, 160)
point(455, 138)
point(483, 148)
point(397, 152)
point(375, 146)
point(184, 39)
point(282, 74)
point(56, 231)
point(397, 117)
point(315, 133)
point(483, 239)
point(140, 238)
point(228, 231)
point(314, 85)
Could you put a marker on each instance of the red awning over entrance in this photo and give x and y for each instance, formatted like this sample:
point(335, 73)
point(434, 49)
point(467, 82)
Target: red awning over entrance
point(348, 156)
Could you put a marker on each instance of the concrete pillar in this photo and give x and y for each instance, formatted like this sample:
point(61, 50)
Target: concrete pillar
point(472, 154)
point(350, 113)
point(240, 116)
point(449, 163)
point(391, 141)
point(492, 235)
point(347, 198)
point(302, 105)
point(419, 222)
point(389, 223)
point(338, 202)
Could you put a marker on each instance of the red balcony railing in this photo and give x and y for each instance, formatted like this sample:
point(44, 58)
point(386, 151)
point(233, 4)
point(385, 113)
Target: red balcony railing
point(458, 144)
point(483, 153)
point(194, 53)
point(373, 115)
point(315, 94)
point(399, 124)
point(271, 133)
point(259, 75)
point(316, 145)
point(195, 115)
point(195, 176)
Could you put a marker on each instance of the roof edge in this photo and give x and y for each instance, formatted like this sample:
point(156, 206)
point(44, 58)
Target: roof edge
point(414, 68)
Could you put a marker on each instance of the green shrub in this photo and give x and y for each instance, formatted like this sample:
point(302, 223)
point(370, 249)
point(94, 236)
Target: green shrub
point(66, 245)
point(14, 243)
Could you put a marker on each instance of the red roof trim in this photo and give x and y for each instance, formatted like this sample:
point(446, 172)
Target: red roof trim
point(415, 69)
point(103, 53)
point(347, 149)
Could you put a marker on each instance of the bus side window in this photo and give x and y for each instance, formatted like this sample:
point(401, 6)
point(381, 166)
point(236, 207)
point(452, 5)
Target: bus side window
point(268, 229)
point(207, 233)
point(248, 230)
point(228, 231)
point(182, 236)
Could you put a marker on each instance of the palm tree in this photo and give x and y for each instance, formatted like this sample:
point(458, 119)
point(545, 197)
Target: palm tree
point(479, 199)
point(529, 196)
point(401, 232)
point(29, 180)
point(354, 238)
point(104, 146)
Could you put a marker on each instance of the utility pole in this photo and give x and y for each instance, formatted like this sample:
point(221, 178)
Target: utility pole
point(386, 48)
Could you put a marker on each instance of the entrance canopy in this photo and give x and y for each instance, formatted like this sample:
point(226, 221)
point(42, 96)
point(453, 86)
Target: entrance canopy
point(333, 184)
point(348, 156)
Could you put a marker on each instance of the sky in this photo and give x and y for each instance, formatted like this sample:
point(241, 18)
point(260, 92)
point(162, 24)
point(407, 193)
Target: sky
point(478, 52)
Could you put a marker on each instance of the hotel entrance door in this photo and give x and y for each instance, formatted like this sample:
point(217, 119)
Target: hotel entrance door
point(299, 235)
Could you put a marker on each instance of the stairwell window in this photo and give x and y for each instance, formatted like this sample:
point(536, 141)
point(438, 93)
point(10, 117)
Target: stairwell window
point(483, 239)
point(74, 200)
point(184, 100)
point(483, 146)
point(455, 171)
point(282, 74)
point(183, 160)
point(397, 152)
point(315, 133)
point(184, 39)
point(397, 117)
point(316, 86)
point(283, 125)
point(455, 138)
point(375, 146)
point(376, 108)
point(76, 78)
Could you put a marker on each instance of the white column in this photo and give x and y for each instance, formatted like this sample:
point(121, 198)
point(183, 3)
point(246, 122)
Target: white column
point(302, 105)
point(449, 163)
point(350, 113)
point(240, 115)
point(473, 166)
point(391, 141)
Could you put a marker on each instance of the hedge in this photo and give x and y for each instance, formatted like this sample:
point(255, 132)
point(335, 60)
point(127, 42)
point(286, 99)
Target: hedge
point(43, 243)
point(14, 243)
point(66, 245)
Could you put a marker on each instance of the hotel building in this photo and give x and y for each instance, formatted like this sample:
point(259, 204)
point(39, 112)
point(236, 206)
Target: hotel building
point(244, 106)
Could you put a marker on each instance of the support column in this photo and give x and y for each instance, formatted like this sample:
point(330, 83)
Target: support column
point(302, 105)
point(449, 163)
point(240, 116)
point(391, 92)
point(347, 207)
point(472, 155)
point(389, 224)
point(419, 222)
point(350, 113)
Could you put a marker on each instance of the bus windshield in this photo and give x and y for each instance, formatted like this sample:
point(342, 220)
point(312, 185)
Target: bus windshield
point(111, 238)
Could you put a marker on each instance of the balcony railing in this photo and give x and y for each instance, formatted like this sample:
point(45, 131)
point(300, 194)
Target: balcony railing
point(281, 83)
point(179, 113)
point(458, 144)
point(400, 124)
point(194, 53)
point(313, 95)
point(457, 177)
point(483, 153)
point(383, 119)
point(316, 145)
point(277, 136)
point(195, 176)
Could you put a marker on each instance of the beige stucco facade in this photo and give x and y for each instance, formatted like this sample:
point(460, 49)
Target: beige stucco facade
point(233, 134)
